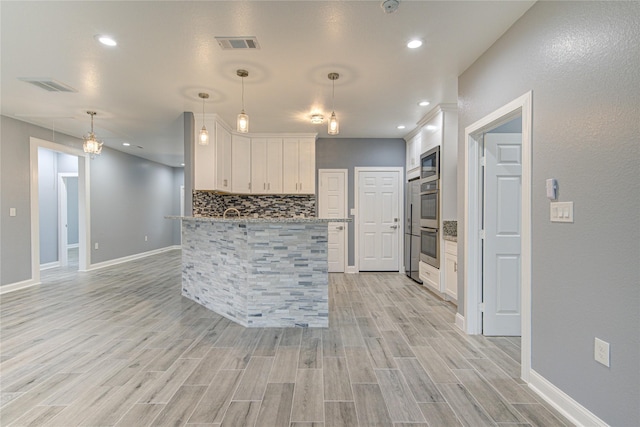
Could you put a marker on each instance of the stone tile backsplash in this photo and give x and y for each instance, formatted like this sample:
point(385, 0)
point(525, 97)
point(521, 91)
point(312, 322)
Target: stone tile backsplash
point(450, 228)
point(210, 203)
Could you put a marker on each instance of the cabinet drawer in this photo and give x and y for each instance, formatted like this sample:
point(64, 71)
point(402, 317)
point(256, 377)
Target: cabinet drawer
point(451, 247)
point(429, 274)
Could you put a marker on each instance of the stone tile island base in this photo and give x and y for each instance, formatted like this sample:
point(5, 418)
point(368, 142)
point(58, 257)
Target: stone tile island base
point(258, 273)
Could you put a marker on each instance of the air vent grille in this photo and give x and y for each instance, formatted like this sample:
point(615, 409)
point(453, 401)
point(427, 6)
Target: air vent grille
point(47, 84)
point(233, 43)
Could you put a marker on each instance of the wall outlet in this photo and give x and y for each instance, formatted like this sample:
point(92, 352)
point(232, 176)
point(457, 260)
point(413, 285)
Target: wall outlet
point(95, 246)
point(146, 238)
point(601, 352)
point(12, 211)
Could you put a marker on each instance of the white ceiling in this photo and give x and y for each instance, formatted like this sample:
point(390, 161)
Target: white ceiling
point(167, 54)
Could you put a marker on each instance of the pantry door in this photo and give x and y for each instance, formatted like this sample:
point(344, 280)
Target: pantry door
point(378, 216)
point(332, 203)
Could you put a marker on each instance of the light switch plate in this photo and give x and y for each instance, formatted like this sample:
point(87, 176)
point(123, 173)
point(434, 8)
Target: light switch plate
point(601, 352)
point(12, 211)
point(561, 211)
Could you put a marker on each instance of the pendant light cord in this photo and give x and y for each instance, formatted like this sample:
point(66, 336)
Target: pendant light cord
point(242, 95)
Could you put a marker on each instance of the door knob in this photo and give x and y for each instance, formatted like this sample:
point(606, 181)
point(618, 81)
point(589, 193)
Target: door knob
point(394, 226)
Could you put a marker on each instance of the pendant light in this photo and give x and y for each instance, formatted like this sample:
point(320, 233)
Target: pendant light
point(334, 127)
point(243, 119)
point(204, 134)
point(91, 144)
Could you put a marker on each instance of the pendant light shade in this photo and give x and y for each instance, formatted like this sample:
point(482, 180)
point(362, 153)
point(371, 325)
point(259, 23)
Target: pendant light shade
point(243, 119)
point(91, 144)
point(203, 138)
point(334, 126)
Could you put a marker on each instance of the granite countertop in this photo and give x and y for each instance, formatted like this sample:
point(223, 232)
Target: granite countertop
point(242, 219)
point(450, 230)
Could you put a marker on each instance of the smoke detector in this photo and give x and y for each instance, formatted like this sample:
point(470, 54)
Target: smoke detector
point(390, 6)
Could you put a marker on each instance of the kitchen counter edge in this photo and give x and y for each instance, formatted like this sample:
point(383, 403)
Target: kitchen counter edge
point(259, 220)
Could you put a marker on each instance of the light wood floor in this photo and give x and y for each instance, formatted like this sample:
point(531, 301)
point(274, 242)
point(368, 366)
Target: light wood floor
point(120, 346)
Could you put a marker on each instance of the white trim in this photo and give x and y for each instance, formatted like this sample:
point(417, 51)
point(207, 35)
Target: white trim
point(460, 322)
point(11, 287)
point(128, 258)
point(351, 269)
point(63, 216)
point(356, 225)
point(73, 246)
point(472, 272)
point(84, 220)
point(344, 172)
point(562, 402)
point(49, 265)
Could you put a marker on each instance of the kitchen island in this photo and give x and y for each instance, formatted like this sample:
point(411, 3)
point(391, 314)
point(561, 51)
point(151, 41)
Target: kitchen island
point(258, 272)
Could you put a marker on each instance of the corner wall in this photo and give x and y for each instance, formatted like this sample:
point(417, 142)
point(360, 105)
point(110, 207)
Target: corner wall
point(581, 60)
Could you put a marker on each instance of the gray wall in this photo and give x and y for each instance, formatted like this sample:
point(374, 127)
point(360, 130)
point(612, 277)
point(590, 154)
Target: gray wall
point(348, 153)
point(581, 60)
point(178, 180)
point(129, 198)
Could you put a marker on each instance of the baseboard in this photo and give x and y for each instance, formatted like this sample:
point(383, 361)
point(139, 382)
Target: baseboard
point(460, 322)
point(49, 265)
point(133, 257)
point(351, 269)
point(575, 412)
point(17, 285)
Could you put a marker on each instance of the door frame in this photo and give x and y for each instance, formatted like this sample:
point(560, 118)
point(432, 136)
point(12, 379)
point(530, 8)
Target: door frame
point(356, 218)
point(84, 217)
point(344, 172)
point(472, 222)
point(63, 230)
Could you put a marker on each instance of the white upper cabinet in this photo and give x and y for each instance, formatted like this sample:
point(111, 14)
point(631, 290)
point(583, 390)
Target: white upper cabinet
point(240, 164)
point(266, 165)
point(253, 163)
point(299, 164)
point(223, 158)
point(414, 146)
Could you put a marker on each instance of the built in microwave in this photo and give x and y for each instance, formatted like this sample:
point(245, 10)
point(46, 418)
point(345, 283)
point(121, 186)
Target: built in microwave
point(430, 164)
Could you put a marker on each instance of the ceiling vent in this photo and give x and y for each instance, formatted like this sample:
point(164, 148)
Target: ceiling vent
point(48, 84)
point(233, 43)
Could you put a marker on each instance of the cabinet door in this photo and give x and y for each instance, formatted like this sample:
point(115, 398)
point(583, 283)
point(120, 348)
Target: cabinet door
point(307, 165)
point(451, 275)
point(274, 165)
point(222, 158)
point(259, 165)
point(290, 165)
point(204, 158)
point(240, 164)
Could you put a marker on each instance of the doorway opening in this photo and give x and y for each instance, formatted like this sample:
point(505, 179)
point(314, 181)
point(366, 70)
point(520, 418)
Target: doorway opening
point(497, 219)
point(58, 173)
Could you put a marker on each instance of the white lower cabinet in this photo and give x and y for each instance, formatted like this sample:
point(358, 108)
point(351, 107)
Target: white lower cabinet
point(429, 275)
point(451, 269)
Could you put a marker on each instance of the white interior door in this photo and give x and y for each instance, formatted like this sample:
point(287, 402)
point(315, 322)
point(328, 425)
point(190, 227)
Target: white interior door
point(503, 228)
point(378, 220)
point(332, 203)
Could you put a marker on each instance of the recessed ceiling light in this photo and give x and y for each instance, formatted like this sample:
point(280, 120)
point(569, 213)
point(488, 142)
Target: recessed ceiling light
point(106, 40)
point(181, 164)
point(431, 127)
point(423, 103)
point(126, 144)
point(400, 126)
point(414, 44)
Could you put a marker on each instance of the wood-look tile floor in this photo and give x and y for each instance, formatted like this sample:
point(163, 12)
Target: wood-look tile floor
point(121, 347)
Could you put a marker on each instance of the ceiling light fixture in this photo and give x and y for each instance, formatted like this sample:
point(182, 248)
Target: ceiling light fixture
point(204, 134)
point(91, 144)
point(106, 40)
point(400, 126)
point(423, 103)
point(334, 127)
point(413, 44)
point(317, 119)
point(126, 144)
point(243, 118)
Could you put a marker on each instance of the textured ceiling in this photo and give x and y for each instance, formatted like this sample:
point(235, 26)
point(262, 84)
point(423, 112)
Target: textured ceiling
point(167, 54)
